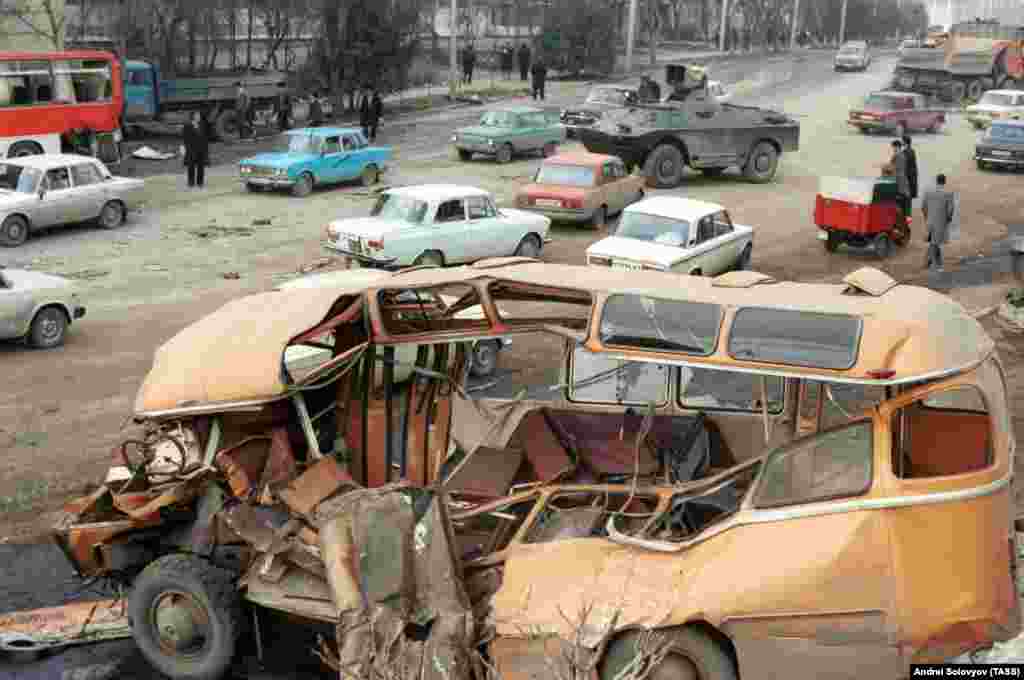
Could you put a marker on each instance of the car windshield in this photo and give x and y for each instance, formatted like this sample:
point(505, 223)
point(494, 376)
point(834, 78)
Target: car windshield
point(880, 103)
point(498, 119)
point(995, 99)
point(1013, 133)
point(607, 95)
point(396, 207)
point(301, 144)
point(653, 228)
point(572, 175)
point(14, 177)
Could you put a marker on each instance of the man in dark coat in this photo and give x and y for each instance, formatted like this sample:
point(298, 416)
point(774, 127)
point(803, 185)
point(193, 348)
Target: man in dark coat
point(376, 111)
point(364, 112)
point(316, 111)
point(524, 62)
point(243, 111)
point(284, 112)
point(197, 149)
point(899, 171)
point(470, 63)
point(540, 75)
point(508, 60)
point(908, 151)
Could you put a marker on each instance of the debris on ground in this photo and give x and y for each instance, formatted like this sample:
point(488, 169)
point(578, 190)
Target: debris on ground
point(261, 222)
point(231, 275)
point(322, 263)
point(214, 231)
point(148, 153)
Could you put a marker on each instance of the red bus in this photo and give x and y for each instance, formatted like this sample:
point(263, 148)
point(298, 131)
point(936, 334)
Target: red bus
point(48, 97)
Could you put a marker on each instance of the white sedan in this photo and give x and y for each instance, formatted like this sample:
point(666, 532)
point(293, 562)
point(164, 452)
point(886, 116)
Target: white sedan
point(437, 224)
point(668, 233)
point(37, 307)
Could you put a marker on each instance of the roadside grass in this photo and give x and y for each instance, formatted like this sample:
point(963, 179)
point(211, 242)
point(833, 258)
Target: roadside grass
point(27, 493)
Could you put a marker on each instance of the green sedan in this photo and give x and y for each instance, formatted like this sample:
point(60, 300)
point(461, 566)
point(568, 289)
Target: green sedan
point(503, 133)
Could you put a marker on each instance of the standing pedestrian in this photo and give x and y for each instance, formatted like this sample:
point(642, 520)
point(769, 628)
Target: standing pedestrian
point(284, 112)
point(376, 111)
point(908, 151)
point(364, 112)
point(470, 63)
point(242, 107)
point(316, 111)
point(524, 62)
point(196, 141)
point(508, 60)
point(540, 73)
point(899, 171)
point(938, 206)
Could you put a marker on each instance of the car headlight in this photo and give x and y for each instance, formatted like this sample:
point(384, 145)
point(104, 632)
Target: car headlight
point(245, 169)
point(490, 142)
point(455, 138)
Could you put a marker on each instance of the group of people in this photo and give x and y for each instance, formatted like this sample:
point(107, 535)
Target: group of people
point(938, 205)
point(509, 55)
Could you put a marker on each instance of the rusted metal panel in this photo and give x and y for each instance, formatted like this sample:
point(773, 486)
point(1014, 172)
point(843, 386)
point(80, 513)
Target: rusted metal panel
point(324, 478)
point(441, 409)
point(86, 503)
point(258, 525)
point(544, 450)
point(341, 563)
point(70, 624)
point(280, 466)
point(298, 592)
point(528, 658)
point(82, 541)
point(243, 464)
point(417, 414)
point(486, 473)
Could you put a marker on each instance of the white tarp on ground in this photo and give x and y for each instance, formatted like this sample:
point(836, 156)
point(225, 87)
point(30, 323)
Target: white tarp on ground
point(858, 190)
point(150, 154)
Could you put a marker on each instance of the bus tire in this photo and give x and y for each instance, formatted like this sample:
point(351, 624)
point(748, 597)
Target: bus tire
point(20, 149)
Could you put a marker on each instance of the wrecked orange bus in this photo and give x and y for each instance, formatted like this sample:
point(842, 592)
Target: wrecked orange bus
point(778, 479)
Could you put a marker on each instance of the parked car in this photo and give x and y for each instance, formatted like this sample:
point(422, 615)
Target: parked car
point(301, 359)
point(599, 102)
point(314, 156)
point(1001, 146)
point(503, 133)
point(581, 187)
point(996, 105)
point(853, 56)
point(437, 224)
point(718, 90)
point(50, 190)
point(669, 233)
point(37, 307)
point(897, 113)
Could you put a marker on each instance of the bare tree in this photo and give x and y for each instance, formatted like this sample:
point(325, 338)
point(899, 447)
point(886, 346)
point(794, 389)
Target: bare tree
point(282, 21)
point(43, 18)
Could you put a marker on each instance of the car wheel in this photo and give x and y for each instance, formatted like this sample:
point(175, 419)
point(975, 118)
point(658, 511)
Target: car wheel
point(48, 328)
point(22, 149)
point(762, 164)
point(692, 655)
point(14, 231)
point(465, 155)
point(504, 154)
point(664, 167)
point(549, 150)
point(883, 246)
point(530, 246)
point(975, 89)
point(484, 359)
point(901, 129)
point(254, 188)
point(370, 176)
point(186, 617)
point(112, 215)
point(431, 258)
point(303, 186)
point(743, 263)
point(600, 218)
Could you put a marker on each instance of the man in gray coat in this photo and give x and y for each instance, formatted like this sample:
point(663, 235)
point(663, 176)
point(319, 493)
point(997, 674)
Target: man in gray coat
point(938, 207)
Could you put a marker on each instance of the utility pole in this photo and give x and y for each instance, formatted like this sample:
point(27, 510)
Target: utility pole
point(796, 21)
point(842, 24)
point(722, 25)
point(630, 35)
point(453, 67)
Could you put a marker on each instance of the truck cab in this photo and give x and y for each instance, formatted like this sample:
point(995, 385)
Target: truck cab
point(141, 93)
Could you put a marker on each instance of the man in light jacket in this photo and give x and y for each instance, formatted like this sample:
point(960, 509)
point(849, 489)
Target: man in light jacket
point(938, 206)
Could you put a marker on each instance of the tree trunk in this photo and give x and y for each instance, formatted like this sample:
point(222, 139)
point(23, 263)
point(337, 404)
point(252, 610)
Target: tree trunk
point(233, 32)
point(192, 45)
point(248, 42)
point(653, 25)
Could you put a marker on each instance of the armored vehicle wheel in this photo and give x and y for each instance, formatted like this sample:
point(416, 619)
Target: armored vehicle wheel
point(712, 172)
point(975, 89)
point(832, 244)
point(664, 167)
point(465, 155)
point(883, 245)
point(186, 617)
point(762, 163)
point(692, 655)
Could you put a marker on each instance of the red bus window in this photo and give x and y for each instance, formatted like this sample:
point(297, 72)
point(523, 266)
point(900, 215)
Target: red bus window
point(82, 82)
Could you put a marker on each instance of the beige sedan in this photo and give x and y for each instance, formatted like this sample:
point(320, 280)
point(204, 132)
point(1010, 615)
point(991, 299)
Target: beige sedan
point(49, 190)
point(37, 307)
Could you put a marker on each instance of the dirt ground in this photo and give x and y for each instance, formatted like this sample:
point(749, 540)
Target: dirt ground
point(62, 412)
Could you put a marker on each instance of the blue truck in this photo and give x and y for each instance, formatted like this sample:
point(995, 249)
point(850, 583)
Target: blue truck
point(149, 97)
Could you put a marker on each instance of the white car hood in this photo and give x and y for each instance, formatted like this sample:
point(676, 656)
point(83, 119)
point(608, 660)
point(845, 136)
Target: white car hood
point(992, 108)
point(366, 227)
point(29, 280)
point(634, 250)
point(525, 216)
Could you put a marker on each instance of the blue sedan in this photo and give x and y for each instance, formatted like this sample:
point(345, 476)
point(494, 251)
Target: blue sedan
point(312, 156)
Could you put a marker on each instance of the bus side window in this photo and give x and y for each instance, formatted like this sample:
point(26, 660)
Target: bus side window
point(946, 433)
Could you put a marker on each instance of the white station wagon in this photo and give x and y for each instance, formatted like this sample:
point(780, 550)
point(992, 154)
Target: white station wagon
point(668, 233)
point(437, 224)
point(996, 105)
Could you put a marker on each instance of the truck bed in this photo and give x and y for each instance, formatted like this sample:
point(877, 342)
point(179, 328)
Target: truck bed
point(178, 91)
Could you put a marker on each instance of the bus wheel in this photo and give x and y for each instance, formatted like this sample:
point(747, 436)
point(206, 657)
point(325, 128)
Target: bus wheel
point(21, 149)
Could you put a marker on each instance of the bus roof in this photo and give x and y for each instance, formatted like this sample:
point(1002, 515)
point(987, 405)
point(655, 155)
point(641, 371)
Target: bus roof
point(68, 54)
point(894, 333)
